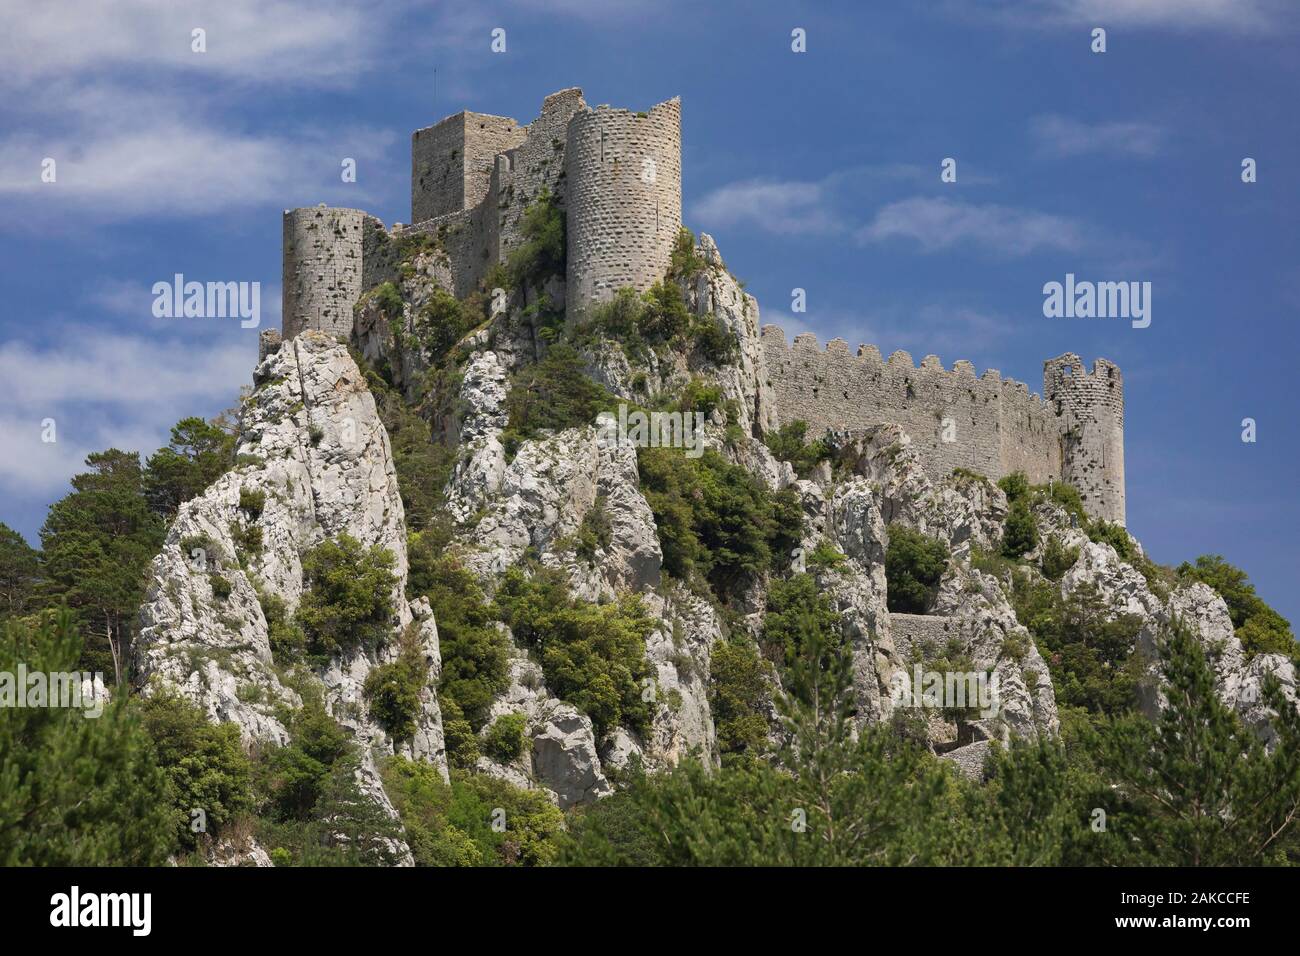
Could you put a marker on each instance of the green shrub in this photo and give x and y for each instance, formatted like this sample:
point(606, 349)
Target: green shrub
point(684, 261)
point(715, 519)
point(1020, 532)
point(664, 316)
point(1260, 628)
point(596, 532)
point(1057, 559)
point(209, 774)
point(459, 736)
point(220, 586)
point(798, 612)
point(504, 740)
point(247, 539)
point(440, 323)
point(555, 393)
point(292, 778)
point(541, 254)
point(475, 653)
point(77, 790)
point(790, 443)
point(713, 339)
point(348, 603)
point(251, 502)
point(914, 563)
point(824, 557)
point(423, 465)
point(287, 639)
point(393, 690)
point(740, 684)
point(1101, 531)
point(452, 824)
point(1089, 655)
point(1016, 486)
point(591, 655)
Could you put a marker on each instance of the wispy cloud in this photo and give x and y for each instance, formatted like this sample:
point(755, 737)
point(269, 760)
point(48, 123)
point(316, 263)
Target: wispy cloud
point(938, 223)
point(785, 208)
point(825, 206)
point(1061, 137)
point(1236, 16)
point(103, 390)
point(251, 41)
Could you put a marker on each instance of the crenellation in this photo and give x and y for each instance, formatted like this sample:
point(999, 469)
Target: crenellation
point(987, 424)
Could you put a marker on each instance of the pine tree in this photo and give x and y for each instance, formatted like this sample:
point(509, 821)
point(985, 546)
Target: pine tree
point(75, 790)
point(1195, 787)
point(20, 571)
point(197, 455)
point(97, 542)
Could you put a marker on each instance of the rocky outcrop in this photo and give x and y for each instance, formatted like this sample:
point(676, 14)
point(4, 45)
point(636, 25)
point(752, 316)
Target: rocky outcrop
point(315, 463)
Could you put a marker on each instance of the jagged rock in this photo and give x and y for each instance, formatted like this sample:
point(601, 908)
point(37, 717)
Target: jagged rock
point(679, 650)
point(1239, 681)
point(232, 852)
point(565, 759)
point(717, 293)
point(319, 458)
point(857, 591)
point(997, 643)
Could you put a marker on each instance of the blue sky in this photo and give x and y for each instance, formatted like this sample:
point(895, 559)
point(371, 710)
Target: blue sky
point(817, 170)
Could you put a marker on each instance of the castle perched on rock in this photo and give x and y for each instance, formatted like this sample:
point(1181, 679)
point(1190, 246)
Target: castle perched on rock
point(616, 175)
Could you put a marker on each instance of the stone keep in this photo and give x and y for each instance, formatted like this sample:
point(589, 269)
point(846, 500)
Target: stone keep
point(617, 176)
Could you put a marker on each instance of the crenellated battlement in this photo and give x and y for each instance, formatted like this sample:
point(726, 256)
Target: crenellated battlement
point(956, 419)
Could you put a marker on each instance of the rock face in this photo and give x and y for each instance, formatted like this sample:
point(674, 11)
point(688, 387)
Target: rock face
point(315, 463)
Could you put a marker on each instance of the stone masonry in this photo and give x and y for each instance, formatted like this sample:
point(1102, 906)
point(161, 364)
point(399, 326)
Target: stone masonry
point(617, 177)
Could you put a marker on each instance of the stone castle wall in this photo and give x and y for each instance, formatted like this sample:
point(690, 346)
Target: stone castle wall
point(521, 174)
point(624, 199)
point(956, 420)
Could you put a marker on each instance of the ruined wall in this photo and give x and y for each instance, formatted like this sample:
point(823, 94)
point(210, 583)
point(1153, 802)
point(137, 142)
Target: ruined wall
point(452, 162)
point(624, 198)
point(322, 269)
point(955, 420)
point(522, 173)
point(1091, 410)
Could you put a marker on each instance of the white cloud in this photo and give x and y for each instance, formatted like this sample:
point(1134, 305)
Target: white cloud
point(119, 156)
point(1060, 136)
point(937, 223)
point(104, 390)
point(785, 208)
point(1235, 16)
point(285, 41)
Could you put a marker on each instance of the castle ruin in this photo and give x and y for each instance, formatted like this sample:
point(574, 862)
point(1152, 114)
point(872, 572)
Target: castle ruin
point(616, 175)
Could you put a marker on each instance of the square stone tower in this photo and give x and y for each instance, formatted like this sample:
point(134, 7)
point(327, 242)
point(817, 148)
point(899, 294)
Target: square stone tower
point(452, 161)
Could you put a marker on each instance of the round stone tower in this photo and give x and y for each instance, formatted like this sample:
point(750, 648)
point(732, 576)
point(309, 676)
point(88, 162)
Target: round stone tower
point(322, 269)
point(623, 173)
point(1091, 410)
